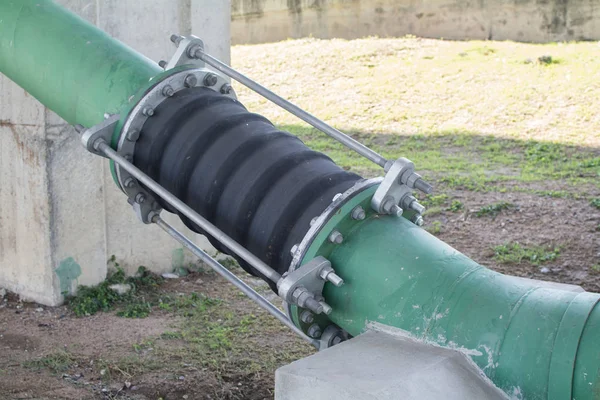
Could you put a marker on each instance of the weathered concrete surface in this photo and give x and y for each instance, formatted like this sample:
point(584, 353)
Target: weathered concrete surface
point(61, 216)
point(260, 21)
point(378, 366)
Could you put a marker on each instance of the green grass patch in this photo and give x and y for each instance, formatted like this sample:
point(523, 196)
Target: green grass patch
point(456, 206)
point(595, 203)
point(515, 253)
point(435, 227)
point(57, 362)
point(92, 299)
point(494, 209)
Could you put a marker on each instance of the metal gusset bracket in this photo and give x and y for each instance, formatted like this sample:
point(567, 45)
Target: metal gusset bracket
point(104, 130)
point(187, 47)
point(395, 194)
point(304, 286)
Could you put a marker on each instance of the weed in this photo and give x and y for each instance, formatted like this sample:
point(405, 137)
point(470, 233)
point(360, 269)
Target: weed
point(515, 253)
point(595, 203)
point(90, 300)
point(596, 268)
point(494, 209)
point(59, 361)
point(456, 206)
point(171, 335)
point(435, 200)
point(543, 152)
point(135, 310)
point(435, 227)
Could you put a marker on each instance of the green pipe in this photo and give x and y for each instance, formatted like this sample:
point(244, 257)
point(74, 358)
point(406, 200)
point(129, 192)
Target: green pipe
point(534, 340)
point(69, 65)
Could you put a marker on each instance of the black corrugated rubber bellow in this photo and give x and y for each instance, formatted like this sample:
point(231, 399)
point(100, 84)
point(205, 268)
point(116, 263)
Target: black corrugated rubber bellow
point(259, 185)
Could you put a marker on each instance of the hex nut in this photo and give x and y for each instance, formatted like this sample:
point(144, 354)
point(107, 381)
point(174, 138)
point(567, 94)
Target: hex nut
point(307, 317)
point(358, 213)
point(314, 331)
point(210, 80)
point(336, 237)
point(190, 81)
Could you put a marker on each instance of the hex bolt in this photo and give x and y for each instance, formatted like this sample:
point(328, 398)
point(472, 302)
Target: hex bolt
point(294, 249)
point(418, 220)
point(176, 39)
point(336, 237)
point(140, 198)
point(133, 135)
point(226, 88)
point(307, 317)
point(129, 183)
point(190, 81)
point(148, 111)
point(326, 308)
point(168, 91)
point(397, 210)
point(210, 80)
point(314, 331)
point(162, 64)
point(330, 276)
point(358, 213)
point(416, 206)
point(423, 186)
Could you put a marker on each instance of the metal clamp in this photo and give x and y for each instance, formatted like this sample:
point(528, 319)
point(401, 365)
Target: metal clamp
point(304, 286)
point(394, 195)
point(187, 47)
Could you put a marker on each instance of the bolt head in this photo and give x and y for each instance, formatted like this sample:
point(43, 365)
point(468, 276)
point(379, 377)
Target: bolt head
point(314, 331)
point(176, 39)
point(133, 135)
point(162, 64)
point(359, 213)
point(418, 220)
point(140, 198)
point(294, 249)
point(226, 89)
point(148, 111)
point(130, 183)
point(336, 237)
point(190, 81)
point(210, 80)
point(307, 317)
point(168, 91)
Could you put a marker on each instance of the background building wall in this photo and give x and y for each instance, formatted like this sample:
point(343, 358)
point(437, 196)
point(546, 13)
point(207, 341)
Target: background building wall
point(61, 215)
point(260, 21)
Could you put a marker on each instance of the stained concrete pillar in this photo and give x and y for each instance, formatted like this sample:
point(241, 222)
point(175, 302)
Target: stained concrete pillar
point(61, 215)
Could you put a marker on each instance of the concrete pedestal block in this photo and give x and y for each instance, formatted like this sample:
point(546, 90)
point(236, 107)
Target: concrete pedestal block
point(61, 215)
point(380, 366)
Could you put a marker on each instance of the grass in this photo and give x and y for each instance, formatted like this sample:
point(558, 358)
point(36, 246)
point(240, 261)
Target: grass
point(133, 304)
point(515, 253)
point(56, 362)
point(494, 209)
point(595, 203)
point(471, 115)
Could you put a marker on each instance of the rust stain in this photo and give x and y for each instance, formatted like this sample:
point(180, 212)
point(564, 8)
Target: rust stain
point(28, 154)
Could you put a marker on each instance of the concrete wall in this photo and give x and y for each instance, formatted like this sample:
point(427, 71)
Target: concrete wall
point(259, 21)
point(61, 215)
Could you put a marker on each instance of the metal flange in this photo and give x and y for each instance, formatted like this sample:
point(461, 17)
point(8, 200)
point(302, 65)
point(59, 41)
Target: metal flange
point(143, 201)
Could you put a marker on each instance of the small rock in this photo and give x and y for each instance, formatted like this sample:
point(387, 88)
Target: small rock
point(170, 275)
point(127, 385)
point(102, 372)
point(185, 396)
point(39, 309)
point(528, 61)
point(120, 288)
point(133, 388)
point(545, 270)
point(182, 378)
point(199, 281)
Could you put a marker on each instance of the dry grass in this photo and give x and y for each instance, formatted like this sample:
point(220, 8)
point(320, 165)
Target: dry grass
point(409, 85)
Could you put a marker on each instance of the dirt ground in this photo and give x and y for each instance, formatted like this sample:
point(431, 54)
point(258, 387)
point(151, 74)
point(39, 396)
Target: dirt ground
point(203, 340)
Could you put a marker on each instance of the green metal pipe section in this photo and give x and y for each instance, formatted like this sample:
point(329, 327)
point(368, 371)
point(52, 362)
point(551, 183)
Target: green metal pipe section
point(533, 339)
point(70, 66)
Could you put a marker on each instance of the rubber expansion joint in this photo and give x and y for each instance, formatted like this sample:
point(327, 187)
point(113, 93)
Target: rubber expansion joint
point(259, 185)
